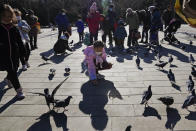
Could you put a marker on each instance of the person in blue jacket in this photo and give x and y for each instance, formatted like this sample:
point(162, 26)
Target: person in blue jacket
point(80, 28)
point(62, 22)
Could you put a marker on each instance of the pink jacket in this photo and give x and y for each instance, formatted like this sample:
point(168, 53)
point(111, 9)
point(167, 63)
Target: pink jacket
point(90, 55)
point(93, 22)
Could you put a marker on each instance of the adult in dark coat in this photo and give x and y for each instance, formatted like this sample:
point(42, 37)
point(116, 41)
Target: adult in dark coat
point(167, 16)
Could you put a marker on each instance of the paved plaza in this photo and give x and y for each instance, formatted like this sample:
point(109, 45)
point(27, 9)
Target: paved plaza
point(113, 105)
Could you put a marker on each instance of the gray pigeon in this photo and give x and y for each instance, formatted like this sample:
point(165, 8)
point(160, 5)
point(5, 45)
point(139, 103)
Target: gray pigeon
point(137, 62)
point(190, 100)
point(146, 96)
point(168, 100)
point(63, 103)
point(52, 71)
point(170, 59)
point(190, 84)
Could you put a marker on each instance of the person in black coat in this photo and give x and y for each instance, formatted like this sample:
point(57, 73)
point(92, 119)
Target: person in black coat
point(11, 47)
point(167, 16)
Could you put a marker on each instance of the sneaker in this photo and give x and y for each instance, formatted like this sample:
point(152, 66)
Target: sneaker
point(24, 67)
point(9, 83)
point(27, 64)
point(20, 94)
point(99, 76)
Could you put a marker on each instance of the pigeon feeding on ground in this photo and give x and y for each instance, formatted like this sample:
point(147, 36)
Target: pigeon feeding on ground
point(191, 59)
point(171, 76)
point(50, 98)
point(168, 100)
point(170, 59)
point(63, 103)
point(67, 70)
point(137, 62)
point(190, 84)
point(193, 72)
point(52, 71)
point(146, 96)
point(190, 100)
point(45, 58)
point(161, 65)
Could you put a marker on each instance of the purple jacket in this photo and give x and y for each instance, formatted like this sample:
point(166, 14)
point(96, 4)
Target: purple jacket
point(90, 55)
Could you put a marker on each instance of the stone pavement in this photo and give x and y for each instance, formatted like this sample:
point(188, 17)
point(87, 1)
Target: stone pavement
point(111, 106)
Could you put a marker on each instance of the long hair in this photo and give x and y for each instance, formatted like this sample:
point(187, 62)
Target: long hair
point(7, 8)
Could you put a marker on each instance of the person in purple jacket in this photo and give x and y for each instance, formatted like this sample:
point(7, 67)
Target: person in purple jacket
point(62, 22)
point(80, 28)
point(95, 57)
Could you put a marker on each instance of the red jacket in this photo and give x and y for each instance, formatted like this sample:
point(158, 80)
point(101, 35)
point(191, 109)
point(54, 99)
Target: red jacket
point(93, 22)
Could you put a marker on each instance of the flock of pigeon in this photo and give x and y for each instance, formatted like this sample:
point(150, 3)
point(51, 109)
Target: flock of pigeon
point(49, 98)
point(168, 100)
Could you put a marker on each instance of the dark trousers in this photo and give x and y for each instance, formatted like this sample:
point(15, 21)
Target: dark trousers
point(12, 76)
point(81, 36)
point(33, 40)
point(131, 38)
point(119, 43)
point(145, 34)
point(109, 34)
point(93, 37)
point(25, 58)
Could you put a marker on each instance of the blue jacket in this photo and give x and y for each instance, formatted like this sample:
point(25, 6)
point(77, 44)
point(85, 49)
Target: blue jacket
point(80, 26)
point(156, 22)
point(62, 21)
point(120, 32)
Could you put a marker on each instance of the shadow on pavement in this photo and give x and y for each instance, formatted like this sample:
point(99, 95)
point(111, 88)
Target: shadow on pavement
point(151, 111)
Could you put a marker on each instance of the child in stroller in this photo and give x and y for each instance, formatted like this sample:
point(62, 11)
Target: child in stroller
point(171, 30)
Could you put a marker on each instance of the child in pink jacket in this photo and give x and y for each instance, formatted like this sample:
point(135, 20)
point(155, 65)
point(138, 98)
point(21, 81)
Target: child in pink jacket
point(95, 57)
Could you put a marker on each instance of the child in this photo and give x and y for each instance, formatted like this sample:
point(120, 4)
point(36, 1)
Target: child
point(62, 44)
point(24, 29)
point(11, 46)
point(120, 35)
point(80, 28)
point(95, 57)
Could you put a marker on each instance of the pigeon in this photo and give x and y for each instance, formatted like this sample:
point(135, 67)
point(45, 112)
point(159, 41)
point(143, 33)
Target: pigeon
point(171, 76)
point(190, 84)
point(52, 71)
point(50, 97)
point(161, 65)
point(63, 103)
point(137, 62)
point(170, 59)
point(191, 59)
point(146, 96)
point(67, 70)
point(193, 72)
point(168, 100)
point(190, 100)
point(45, 58)
point(191, 43)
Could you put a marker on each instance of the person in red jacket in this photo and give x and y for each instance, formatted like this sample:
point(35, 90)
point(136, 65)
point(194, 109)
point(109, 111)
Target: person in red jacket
point(93, 21)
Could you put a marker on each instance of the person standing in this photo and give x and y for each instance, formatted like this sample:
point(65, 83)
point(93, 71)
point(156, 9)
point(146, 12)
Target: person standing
point(32, 20)
point(167, 16)
point(80, 28)
point(24, 29)
point(93, 21)
point(132, 20)
point(62, 23)
point(11, 47)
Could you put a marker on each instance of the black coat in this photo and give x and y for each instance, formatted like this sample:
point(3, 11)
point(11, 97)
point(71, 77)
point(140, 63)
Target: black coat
point(167, 16)
point(11, 46)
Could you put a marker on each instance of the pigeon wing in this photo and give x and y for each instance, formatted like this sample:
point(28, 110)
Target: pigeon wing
point(56, 88)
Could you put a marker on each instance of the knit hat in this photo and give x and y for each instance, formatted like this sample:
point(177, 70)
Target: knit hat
point(93, 8)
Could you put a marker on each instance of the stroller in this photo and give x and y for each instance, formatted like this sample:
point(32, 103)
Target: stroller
point(170, 31)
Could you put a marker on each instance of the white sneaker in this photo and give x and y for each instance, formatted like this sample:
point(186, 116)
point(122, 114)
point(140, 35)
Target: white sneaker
point(27, 64)
point(20, 94)
point(99, 76)
point(24, 67)
point(9, 83)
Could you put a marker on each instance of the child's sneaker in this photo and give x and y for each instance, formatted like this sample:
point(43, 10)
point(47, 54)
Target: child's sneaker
point(24, 67)
point(27, 64)
point(20, 94)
